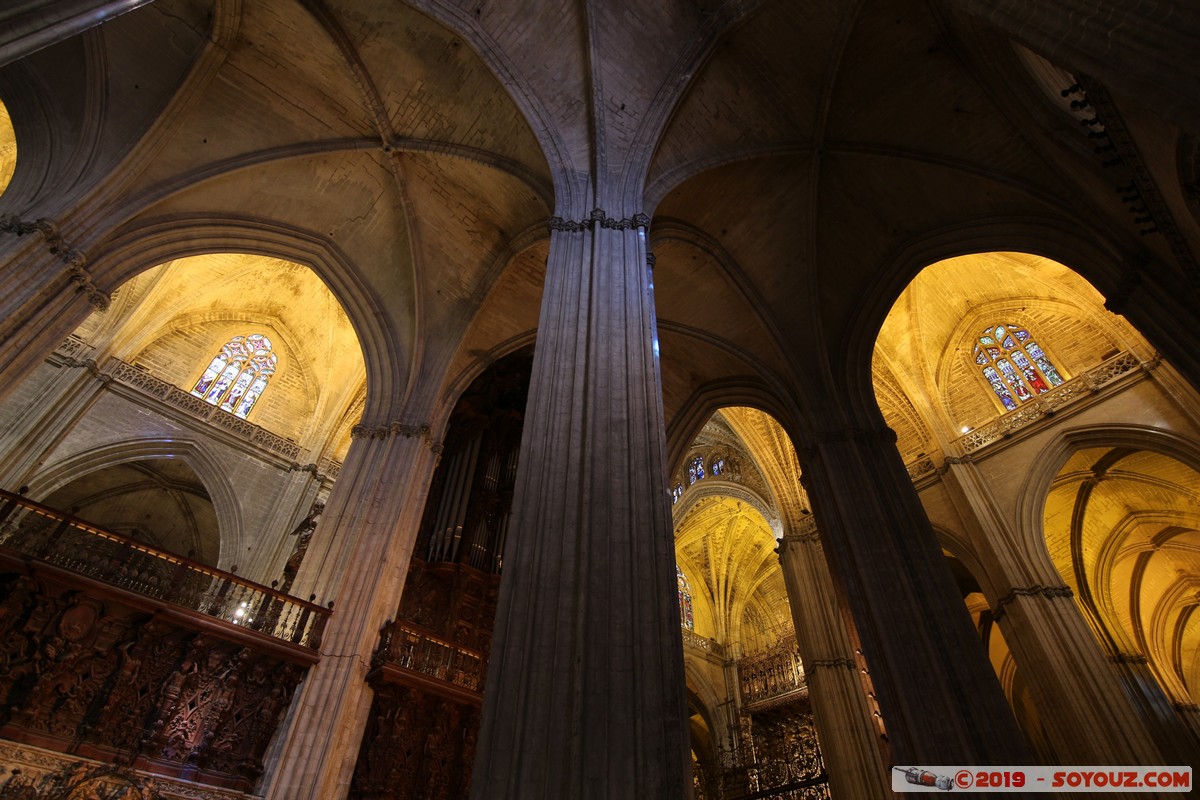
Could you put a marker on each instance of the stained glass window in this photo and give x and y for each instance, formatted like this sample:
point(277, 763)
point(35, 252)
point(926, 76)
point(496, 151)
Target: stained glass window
point(676, 493)
point(696, 470)
point(237, 376)
point(685, 601)
point(718, 466)
point(1014, 365)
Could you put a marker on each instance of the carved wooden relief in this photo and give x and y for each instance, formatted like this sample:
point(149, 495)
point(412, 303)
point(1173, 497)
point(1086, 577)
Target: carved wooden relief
point(87, 675)
point(428, 678)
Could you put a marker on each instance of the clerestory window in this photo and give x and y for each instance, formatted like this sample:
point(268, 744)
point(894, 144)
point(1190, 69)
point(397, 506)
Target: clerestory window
point(237, 376)
point(696, 470)
point(1014, 365)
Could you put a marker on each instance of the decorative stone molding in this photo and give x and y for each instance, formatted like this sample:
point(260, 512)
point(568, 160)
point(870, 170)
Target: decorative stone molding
point(1037, 590)
point(693, 639)
point(407, 430)
point(329, 468)
point(951, 461)
point(598, 216)
point(1047, 404)
point(172, 395)
point(921, 467)
point(805, 533)
point(651, 260)
point(89, 365)
point(325, 469)
point(71, 347)
point(72, 257)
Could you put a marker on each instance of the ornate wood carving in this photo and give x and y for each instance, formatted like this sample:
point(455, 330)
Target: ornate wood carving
point(83, 673)
point(428, 678)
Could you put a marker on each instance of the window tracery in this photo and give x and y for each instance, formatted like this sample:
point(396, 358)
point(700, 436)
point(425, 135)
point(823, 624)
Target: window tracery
point(685, 601)
point(1014, 365)
point(696, 470)
point(718, 466)
point(676, 493)
point(237, 376)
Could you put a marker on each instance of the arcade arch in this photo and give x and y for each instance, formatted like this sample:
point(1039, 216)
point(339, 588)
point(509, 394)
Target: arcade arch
point(969, 458)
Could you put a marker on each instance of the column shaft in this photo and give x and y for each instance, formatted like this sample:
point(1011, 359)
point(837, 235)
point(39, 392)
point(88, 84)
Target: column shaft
point(372, 519)
point(939, 695)
point(1073, 685)
point(845, 726)
point(585, 694)
point(48, 294)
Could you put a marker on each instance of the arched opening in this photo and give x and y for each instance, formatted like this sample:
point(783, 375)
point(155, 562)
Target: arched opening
point(432, 657)
point(731, 491)
point(705, 760)
point(1122, 526)
point(124, 381)
point(980, 359)
point(1000, 656)
point(942, 377)
point(161, 502)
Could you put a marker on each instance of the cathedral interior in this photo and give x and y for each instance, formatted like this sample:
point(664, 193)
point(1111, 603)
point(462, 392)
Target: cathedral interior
point(709, 399)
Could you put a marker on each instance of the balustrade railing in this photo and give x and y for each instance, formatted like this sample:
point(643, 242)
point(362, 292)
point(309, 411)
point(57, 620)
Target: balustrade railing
point(1041, 406)
point(126, 563)
point(1046, 404)
point(693, 639)
point(407, 646)
point(146, 383)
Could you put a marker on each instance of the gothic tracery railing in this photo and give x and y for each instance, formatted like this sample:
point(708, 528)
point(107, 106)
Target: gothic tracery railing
point(146, 383)
point(693, 639)
point(1039, 408)
point(1046, 404)
point(71, 350)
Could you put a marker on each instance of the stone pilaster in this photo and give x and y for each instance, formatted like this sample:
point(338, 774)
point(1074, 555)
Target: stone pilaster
point(359, 555)
point(937, 691)
point(585, 691)
point(845, 725)
point(1073, 687)
point(49, 291)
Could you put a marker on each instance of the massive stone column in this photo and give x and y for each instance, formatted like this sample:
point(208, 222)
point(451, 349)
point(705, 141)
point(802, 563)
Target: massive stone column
point(938, 693)
point(1074, 688)
point(31, 26)
point(585, 691)
point(845, 725)
point(359, 555)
